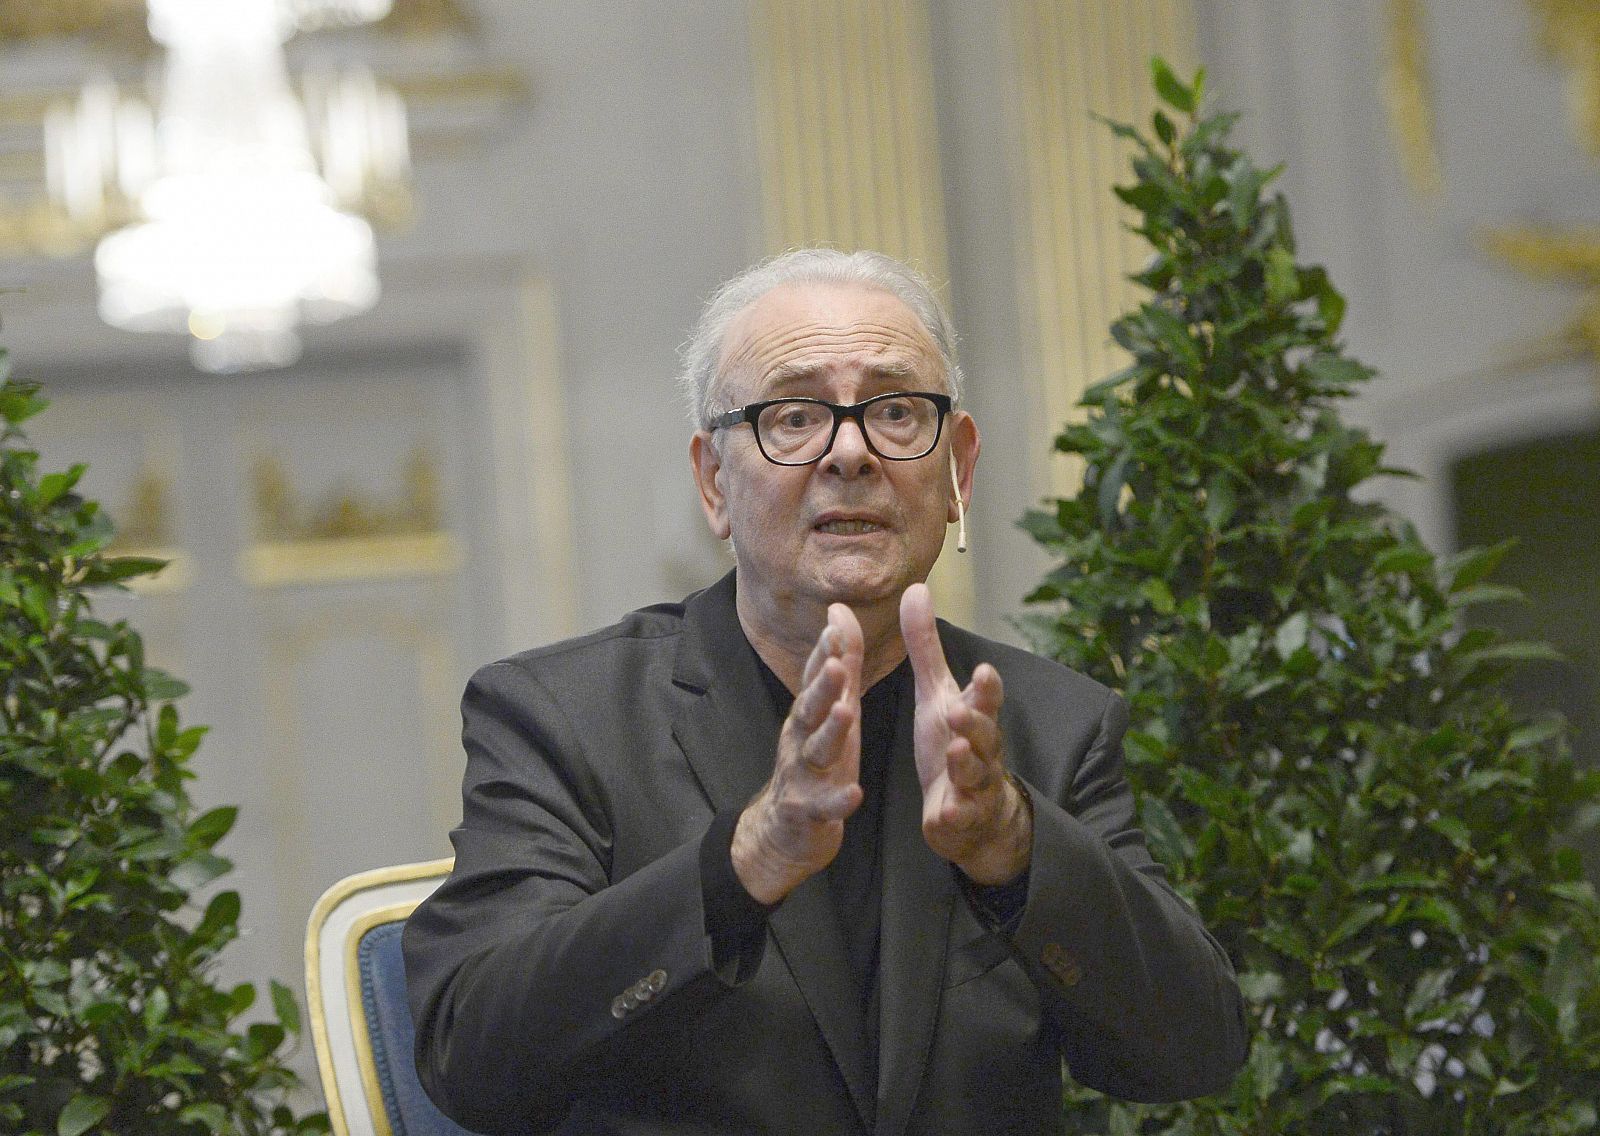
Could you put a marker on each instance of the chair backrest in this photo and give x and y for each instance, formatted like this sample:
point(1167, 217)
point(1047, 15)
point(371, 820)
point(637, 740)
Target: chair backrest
point(356, 998)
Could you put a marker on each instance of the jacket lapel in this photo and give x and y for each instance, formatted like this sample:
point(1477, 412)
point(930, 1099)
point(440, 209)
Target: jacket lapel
point(918, 890)
point(728, 731)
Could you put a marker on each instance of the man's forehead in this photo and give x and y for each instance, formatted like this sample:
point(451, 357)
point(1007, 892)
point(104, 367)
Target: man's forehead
point(803, 332)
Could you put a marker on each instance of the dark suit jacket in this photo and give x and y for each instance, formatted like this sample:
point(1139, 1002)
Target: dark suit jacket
point(593, 769)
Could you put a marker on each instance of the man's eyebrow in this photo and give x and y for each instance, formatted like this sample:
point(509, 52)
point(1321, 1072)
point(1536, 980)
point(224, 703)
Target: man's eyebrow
point(799, 374)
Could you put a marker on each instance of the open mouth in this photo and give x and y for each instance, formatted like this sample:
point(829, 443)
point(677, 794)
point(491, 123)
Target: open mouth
point(849, 528)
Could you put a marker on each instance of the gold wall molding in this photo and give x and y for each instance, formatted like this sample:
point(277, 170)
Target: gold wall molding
point(1078, 58)
point(549, 476)
point(286, 563)
point(1569, 254)
point(1569, 32)
point(347, 535)
point(849, 152)
point(1408, 96)
point(344, 513)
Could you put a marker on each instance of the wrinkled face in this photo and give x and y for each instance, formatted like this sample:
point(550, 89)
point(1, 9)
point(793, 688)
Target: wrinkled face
point(852, 527)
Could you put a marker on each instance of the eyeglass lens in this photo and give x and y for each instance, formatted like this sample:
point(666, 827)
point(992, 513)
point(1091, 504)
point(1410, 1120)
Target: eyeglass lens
point(902, 426)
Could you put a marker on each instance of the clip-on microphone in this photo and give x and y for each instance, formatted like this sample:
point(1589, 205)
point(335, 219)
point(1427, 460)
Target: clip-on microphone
point(961, 511)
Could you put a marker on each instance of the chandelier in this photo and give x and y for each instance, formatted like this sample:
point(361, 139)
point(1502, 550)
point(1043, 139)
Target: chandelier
point(236, 201)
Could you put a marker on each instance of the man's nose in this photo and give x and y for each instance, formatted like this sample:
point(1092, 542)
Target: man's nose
point(849, 455)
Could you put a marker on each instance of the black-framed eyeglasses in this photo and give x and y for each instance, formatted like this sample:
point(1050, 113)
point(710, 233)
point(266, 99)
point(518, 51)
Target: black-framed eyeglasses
point(900, 426)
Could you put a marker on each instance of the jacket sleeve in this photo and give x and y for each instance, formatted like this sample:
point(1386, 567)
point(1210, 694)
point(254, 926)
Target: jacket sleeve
point(532, 970)
point(1144, 998)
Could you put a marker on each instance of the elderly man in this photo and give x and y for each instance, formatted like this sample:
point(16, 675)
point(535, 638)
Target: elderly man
point(790, 856)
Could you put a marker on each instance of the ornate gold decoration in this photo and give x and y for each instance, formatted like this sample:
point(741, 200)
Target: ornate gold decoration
point(1079, 58)
point(1408, 97)
point(111, 23)
point(284, 563)
point(144, 528)
point(347, 536)
point(1570, 33)
point(343, 512)
point(146, 521)
point(1546, 252)
point(849, 153)
point(417, 18)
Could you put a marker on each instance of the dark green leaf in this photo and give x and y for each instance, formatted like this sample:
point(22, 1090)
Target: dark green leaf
point(1405, 558)
point(222, 913)
point(1168, 841)
point(1467, 568)
point(53, 485)
point(1170, 88)
point(1110, 488)
point(1353, 923)
point(1535, 733)
point(1163, 127)
point(1512, 652)
point(213, 825)
point(284, 1005)
point(112, 569)
point(82, 1113)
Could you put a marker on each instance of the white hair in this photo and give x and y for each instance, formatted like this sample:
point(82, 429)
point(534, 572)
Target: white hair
point(698, 381)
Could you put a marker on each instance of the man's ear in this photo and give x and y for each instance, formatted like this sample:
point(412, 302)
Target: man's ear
point(964, 445)
point(707, 465)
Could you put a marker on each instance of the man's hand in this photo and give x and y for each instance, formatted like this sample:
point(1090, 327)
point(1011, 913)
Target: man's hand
point(972, 813)
point(794, 827)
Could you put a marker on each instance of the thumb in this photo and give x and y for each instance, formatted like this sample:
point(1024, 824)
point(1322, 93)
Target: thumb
point(921, 638)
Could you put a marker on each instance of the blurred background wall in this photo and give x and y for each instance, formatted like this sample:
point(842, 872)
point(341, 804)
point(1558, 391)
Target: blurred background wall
point(493, 456)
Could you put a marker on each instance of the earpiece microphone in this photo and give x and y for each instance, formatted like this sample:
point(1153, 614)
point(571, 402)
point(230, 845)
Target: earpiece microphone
point(961, 510)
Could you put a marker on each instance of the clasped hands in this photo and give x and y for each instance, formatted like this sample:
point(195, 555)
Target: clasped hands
point(973, 815)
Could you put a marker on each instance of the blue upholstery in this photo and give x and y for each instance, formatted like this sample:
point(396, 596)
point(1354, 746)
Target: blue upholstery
point(383, 1001)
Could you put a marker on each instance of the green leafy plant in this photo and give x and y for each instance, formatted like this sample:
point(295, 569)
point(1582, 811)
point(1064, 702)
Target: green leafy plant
point(1324, 757)
point(109, 1019)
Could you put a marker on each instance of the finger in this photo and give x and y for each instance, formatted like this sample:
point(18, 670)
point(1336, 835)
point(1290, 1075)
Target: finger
point(824, 649)
point(985, 693)
point(979, 730)
point(921, 638)
point(828, 743)
point(836, 803)
point(968, 771)
point(824, 690)
point(849, 643)
point(950, 816)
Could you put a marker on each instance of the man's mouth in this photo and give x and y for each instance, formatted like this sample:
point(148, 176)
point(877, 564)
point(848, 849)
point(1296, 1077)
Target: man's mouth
point(848, 528)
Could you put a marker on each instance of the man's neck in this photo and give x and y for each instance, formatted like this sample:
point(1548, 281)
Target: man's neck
point(784, 635)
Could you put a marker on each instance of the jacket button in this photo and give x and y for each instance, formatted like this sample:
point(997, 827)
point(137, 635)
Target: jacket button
point(618, 1010)
point(1059, 962)
point(657, 982)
